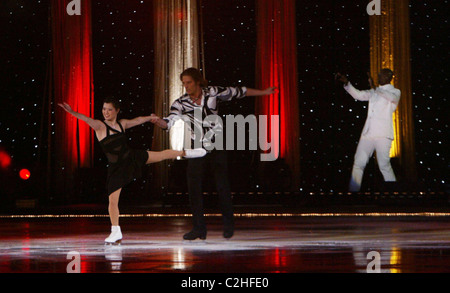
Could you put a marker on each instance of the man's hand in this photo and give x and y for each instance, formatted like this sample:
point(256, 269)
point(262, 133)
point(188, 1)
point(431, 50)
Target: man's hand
point(158, 121)
point(260, 93)
point(341, 78)
point(371, 82)
point(270, 91)
point(154, 118)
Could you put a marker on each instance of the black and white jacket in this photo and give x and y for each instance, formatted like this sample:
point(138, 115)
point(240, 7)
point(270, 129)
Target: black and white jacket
point(204, 117)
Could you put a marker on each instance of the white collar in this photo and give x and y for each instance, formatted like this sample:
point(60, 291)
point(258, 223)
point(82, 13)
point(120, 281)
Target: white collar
point(386, 86)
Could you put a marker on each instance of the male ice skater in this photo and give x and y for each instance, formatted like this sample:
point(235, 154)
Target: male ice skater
point(378, 132)
point(200, 96)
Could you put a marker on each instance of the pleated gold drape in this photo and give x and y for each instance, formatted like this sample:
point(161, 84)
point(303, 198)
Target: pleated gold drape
point(390, 48)
point(176, 48)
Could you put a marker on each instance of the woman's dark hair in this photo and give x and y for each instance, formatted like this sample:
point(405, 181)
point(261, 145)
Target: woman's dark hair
point(196, 75)
point(112, 100)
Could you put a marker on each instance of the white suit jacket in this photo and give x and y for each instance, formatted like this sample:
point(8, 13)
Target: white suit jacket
point(383, 102)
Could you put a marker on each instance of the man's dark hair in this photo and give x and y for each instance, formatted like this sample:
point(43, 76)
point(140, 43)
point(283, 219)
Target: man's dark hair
point(112, 100)
point(196, 75)
point(389, 73)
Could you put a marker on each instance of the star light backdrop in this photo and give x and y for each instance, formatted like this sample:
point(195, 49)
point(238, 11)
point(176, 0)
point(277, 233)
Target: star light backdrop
point(332, 36)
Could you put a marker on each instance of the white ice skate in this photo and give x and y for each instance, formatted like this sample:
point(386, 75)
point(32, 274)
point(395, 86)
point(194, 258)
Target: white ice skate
point(115, 238)
point(195, 153)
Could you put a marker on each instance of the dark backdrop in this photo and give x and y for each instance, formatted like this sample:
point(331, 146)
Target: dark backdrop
point(332, 36)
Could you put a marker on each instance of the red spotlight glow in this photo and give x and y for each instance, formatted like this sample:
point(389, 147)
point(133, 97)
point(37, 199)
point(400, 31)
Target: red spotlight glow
point(24, 174)
point(5, 160)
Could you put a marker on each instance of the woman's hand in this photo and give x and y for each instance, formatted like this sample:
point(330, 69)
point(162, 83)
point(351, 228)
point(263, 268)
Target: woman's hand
point(158, 121)
point(66, 107)
point(154, 118)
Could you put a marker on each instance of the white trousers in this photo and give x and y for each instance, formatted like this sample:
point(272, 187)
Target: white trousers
point(364, 152)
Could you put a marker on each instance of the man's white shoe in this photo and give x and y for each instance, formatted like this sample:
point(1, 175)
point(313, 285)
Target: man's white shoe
point(195, 153)
point(115, 238)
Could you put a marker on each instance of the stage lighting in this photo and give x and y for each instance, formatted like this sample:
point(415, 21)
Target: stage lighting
point(5, 160)
point(24, 174)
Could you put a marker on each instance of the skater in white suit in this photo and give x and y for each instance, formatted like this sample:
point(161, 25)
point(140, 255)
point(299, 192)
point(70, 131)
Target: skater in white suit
point(378, 131)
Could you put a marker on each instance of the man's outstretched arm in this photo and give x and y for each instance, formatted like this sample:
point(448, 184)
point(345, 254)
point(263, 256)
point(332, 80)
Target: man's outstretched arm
point(355, 93)
point(266, 92)
point(231, 93)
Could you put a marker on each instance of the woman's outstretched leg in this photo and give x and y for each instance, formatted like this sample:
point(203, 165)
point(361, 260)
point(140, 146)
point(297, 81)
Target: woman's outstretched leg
point(156, 157)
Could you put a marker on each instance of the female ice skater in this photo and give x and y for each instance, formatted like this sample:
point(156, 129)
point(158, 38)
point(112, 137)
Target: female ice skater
point(125, 164)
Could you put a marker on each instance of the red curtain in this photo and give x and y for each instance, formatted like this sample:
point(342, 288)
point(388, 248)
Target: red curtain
point(72, 83)
point(276, 65)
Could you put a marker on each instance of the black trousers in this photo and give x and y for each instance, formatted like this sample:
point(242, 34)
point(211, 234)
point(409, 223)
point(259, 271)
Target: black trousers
point(217, 161)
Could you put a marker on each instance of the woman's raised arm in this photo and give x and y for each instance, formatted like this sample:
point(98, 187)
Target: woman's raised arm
point(94, 124)
point(129, 123)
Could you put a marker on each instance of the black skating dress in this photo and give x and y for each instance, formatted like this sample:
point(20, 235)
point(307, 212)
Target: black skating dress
point(125, 164)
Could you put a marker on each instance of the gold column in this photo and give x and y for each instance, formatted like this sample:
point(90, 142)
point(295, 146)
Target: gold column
point(176, 48)
point(390, 48)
